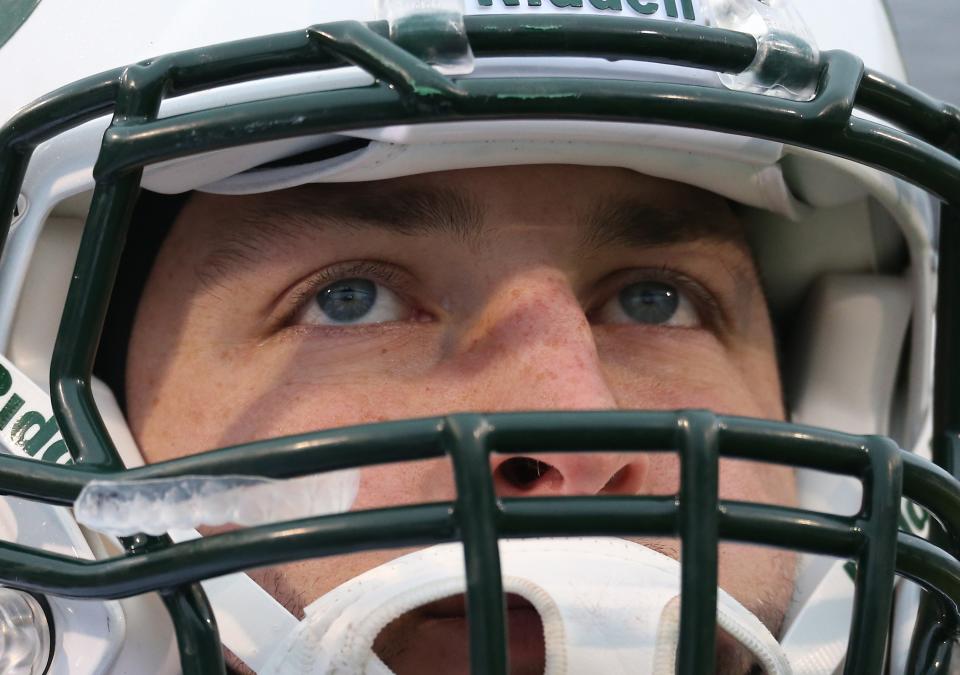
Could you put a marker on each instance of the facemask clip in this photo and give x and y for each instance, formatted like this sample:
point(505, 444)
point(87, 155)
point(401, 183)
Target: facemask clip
point(432, 30)
point(787, 64)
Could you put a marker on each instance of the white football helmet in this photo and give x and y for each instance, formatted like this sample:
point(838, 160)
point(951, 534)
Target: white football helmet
point(793, 112)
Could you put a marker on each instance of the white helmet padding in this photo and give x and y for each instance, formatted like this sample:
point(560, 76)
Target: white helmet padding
point(740, 169)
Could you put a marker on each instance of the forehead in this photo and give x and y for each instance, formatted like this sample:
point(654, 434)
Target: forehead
point(558, 185)
point(606, 204)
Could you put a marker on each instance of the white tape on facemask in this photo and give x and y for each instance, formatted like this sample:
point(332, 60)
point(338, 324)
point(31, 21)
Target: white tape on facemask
point(607, 606)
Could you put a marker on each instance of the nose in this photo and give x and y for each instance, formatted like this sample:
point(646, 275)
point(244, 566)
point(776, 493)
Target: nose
point(531, 347)
point(568, 474)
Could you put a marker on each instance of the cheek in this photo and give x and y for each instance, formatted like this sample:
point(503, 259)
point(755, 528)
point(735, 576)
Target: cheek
point(666, 370)
point(408, 483)
point(201, 399)
point(690, 370)
point(179, 409)
point(739, 480)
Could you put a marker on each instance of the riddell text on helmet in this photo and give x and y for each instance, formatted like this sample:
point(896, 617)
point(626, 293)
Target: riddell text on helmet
point(671, 8)
point(27, 425)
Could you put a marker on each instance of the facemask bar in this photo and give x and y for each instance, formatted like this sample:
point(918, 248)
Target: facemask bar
point(870, 537)
point(410, 92)
point(933, 628)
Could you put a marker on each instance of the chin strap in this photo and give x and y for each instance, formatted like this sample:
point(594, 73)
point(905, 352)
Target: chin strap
point(607, 605)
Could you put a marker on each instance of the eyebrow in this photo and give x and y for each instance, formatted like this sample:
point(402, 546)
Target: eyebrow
point(621, 221)
point(286, 215)
point(407, 211)
point(634, 222)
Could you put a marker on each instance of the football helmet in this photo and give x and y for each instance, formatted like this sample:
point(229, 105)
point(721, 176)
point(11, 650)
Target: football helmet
point(849, 181)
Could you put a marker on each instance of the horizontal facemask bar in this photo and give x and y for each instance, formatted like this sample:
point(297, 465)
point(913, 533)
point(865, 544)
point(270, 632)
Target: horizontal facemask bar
point(409, 91)
point(695, 515)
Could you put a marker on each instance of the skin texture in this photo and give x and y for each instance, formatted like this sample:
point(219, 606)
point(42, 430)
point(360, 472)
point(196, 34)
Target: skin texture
point(505, 301)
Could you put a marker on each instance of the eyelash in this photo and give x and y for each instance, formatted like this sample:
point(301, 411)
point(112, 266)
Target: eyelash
point(711, 311)
point(380, 272)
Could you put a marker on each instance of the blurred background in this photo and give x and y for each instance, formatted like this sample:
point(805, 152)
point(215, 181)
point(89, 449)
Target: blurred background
point(929, 36)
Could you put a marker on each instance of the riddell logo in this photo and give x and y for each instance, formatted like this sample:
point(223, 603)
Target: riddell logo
point(30, 432)
point(639, 7)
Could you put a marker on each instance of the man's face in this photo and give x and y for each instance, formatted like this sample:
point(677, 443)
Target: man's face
point(523, 288)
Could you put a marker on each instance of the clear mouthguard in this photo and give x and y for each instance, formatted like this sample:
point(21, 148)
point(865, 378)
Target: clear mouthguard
point(123, 508)
point(432, 30)
point(788, 61)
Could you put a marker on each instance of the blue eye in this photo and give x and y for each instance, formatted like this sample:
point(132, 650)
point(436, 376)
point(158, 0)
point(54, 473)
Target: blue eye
point(347, 301)
point(352, 302)
point(649, 302)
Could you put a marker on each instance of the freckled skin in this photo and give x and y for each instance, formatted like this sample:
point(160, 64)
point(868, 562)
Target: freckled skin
point(508, 326)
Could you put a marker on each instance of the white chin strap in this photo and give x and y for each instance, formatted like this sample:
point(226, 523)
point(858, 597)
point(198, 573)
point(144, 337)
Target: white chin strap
point(607, 606)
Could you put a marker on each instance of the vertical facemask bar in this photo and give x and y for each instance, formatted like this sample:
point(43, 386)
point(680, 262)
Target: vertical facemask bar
point(873, 595)
point(141, 90)
point(79, 334)
point(946, 410)
point(932, 642)
point(194, 622)
point(699, 518)
point(13, 168)
point(138, 99)
point(464, 439)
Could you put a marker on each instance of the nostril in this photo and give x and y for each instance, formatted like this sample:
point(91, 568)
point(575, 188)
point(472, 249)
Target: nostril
point(618, 482)
point(523, 472)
